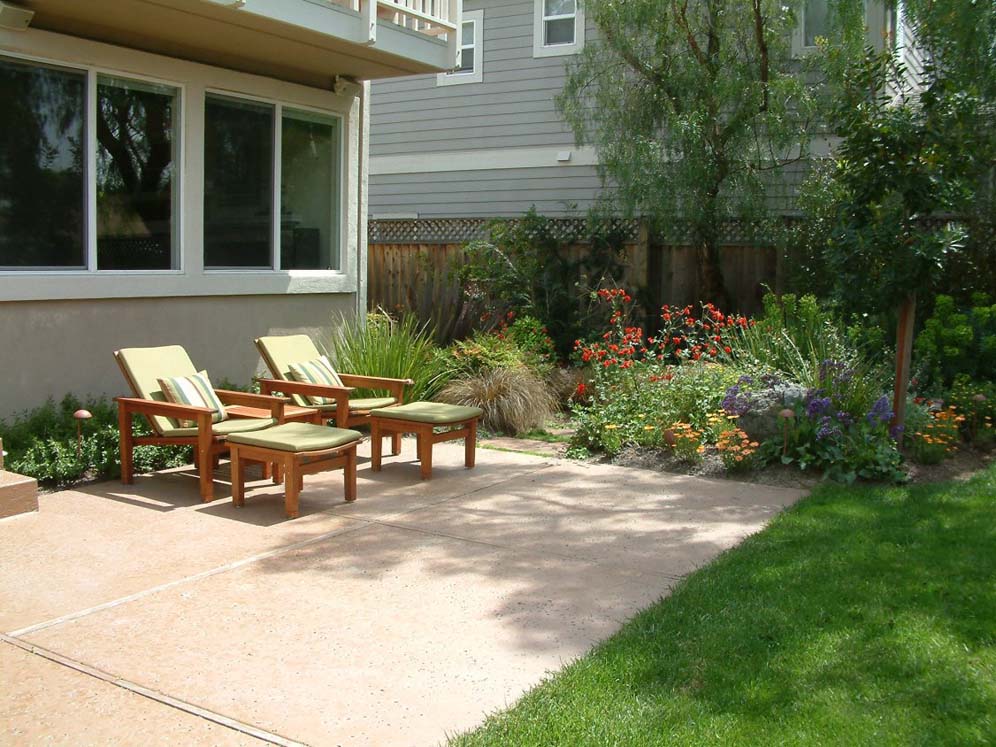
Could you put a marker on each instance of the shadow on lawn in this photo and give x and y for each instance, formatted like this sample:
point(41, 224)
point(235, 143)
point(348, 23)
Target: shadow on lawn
point(865, 616)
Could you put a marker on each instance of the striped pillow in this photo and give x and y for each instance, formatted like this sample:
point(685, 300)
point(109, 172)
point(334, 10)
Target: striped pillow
point(318, 371)
point(195, 390)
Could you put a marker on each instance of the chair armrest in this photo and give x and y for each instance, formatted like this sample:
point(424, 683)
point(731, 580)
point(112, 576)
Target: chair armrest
point(166, 409)
point(395, 386)
point(266, 402)
point(307, 390)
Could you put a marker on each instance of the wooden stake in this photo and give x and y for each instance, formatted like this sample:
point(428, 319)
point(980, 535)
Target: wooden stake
point(904, 357)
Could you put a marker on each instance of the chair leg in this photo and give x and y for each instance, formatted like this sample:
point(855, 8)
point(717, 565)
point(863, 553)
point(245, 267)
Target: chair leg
point(395, 443)
point(292, 488)
point(124, 427)
point(204, 466)
point(238, 481)
point(425, 453)
point(470, 444)
point(375, 445)
point(349, 474)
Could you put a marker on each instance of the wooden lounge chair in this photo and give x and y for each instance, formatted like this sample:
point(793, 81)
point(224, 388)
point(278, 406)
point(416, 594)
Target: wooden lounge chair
point(142, 369)
point(279, 352)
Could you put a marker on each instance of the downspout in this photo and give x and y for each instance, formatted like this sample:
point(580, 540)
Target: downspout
point(363, 155)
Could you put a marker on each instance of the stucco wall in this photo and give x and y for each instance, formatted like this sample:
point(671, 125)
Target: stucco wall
point(51, 348)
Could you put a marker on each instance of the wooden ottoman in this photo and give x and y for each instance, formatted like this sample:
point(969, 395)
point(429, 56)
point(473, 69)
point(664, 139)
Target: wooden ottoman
point(422, 419)
point(294, 450)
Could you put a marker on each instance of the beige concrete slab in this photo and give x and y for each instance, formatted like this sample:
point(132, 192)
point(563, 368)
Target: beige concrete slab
point(46, 703)
point(378, 637)
point(643, 520)
point(90, 546)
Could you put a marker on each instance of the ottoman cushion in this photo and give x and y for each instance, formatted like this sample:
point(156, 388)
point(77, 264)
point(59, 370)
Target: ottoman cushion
point(297, 437)
point(435, 413)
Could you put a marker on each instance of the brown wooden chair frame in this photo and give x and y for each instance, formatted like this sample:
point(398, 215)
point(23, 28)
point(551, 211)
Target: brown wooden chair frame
point(207, 445)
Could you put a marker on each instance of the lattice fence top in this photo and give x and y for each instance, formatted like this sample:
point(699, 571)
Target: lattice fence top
point(459, 230)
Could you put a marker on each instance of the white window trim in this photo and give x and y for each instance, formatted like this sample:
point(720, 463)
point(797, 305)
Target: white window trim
point(476, 75)
point(556, 50)
point(191, 279)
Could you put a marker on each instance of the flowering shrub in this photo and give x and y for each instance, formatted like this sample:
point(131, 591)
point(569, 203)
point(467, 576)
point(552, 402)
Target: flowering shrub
point(976, 400)
point(823, 433)
point(685, 442)
point(938, 438)
point(737, 451)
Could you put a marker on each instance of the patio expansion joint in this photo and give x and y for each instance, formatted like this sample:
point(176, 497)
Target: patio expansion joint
point(154, 695)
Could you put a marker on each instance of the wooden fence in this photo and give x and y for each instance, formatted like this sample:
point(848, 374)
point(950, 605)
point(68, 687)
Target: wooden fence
point(421, 279)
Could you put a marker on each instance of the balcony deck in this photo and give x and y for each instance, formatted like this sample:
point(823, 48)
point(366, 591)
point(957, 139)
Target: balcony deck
point(303, 41)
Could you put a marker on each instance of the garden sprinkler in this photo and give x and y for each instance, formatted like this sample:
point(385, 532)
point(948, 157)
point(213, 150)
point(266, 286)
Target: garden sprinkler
point(80, 416)
point(787, 414)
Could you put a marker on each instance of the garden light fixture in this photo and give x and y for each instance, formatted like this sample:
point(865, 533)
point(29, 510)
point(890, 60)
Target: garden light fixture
point(80, 416)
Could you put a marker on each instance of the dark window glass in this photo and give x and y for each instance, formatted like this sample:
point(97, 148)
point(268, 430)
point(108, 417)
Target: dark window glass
point(560, 31)
point(42, 171)
point(238, 183)
point(467, 60)
point(136, 175)
point(309, 192)
point(816, 21)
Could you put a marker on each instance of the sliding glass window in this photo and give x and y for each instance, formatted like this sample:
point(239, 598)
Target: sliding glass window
point(238, 183)
point(42, 167)
point(137, 188)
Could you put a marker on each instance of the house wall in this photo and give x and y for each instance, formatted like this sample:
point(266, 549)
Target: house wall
point(58, 328)
point(53, 348)
point(480, 149)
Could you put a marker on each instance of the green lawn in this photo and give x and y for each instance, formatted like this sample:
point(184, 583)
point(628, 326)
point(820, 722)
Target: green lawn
point(864, 615)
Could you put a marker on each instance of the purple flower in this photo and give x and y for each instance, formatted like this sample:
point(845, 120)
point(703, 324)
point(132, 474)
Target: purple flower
point(845, 419)
point(735, 403)
point(828, 428)
point(817, 406)
point(881, 412)
point(896, 432)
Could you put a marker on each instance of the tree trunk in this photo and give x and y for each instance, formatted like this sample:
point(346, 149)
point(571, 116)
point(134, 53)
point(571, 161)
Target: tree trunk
point(904, 357)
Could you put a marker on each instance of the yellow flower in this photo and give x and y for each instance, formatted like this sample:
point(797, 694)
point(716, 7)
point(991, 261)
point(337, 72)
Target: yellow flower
point(611, 427)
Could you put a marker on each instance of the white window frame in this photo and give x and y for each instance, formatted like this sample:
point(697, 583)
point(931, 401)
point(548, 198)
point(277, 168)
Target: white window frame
point(539, 27)
point(191, 279)
point(276, 174)
point(476, 75)
point(876, 19)
point(93, 73)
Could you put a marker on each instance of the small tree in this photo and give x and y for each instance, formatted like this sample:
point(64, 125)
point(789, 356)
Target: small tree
point(694, 107)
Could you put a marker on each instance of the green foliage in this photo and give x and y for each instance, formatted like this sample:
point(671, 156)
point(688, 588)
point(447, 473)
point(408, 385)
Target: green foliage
point(42, 443)
point(976, 402)
point(390, 348)
point(513, 398)
point(528, 269)
point(693, 108)
point(486, 351)
point(859, 616)
point(958, 342)
point(795, 338)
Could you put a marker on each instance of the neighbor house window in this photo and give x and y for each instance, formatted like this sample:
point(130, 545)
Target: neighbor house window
point(471, 52)
point(136, 175)
point(815, 21)
point(558, 28)
point(43, 145)
point(271, 186)
point(56, 213)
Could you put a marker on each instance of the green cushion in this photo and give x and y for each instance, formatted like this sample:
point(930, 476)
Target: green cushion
point(227, 427)
point(279, 351)
point(430, 412)
point(370, 403)
point(145, 366)
point(298, 437)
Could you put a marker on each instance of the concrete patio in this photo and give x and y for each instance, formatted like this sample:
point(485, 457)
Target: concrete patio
point(137, 615)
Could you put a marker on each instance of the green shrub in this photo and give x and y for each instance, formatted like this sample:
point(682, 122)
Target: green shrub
point(42, 443)
point(955, 341)
point(390, 348)
point(513, 398)
point(976, 402)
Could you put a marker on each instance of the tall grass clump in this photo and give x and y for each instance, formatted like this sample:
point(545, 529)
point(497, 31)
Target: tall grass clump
point(513, 398)
point(397, 349)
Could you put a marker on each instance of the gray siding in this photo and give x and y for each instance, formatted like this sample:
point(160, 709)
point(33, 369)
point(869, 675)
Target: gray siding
point(488, 193)
point(512, 108)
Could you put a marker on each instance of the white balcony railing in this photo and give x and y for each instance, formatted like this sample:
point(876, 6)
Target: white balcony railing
point(436, 18)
